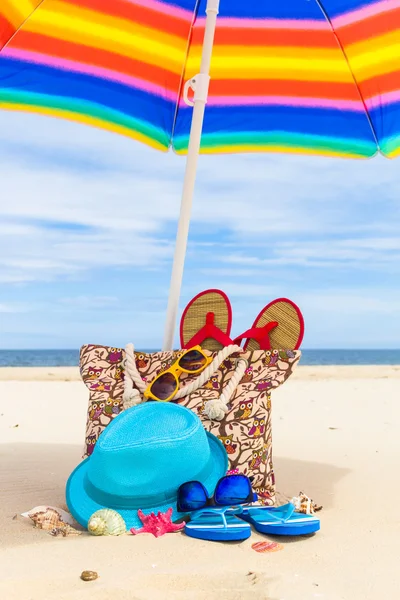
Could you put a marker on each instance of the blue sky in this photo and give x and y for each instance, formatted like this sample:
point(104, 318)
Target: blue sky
point(87, 226)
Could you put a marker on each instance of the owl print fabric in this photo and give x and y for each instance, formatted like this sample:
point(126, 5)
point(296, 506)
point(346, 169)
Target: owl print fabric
point(246, 429)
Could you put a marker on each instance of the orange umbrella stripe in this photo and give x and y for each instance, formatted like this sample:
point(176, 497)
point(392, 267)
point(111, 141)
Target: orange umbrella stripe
point(268, 37)
point(160, 21)
point(6, 30)
point(97, 57)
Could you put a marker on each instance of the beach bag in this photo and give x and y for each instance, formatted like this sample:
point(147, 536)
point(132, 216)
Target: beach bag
point(232, 397)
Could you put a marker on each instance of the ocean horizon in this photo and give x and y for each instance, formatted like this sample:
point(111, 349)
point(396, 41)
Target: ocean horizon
point(70, 358)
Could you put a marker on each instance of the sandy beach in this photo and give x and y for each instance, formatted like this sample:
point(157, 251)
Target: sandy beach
point(335, 438)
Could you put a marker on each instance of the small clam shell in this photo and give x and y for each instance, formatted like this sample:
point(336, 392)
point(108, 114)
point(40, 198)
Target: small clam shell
point(106, 522)
point(267, 547)
point(89, 575)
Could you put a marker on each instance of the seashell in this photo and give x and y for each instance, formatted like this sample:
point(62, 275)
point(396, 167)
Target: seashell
point(267, 547)
point(89, 575)
point(106, 522)
point(51, 520)
point(304, 504)
point(64, 516)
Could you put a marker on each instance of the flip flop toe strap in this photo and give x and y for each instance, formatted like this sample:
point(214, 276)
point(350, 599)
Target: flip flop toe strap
point(209, 330)
point(284, 516)
point(220, 512)
point(260, 334)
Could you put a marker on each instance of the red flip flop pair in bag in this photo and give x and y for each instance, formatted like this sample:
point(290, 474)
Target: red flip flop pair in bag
point(207, 321)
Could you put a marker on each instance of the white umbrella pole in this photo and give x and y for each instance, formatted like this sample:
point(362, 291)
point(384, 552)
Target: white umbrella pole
point(199, 84)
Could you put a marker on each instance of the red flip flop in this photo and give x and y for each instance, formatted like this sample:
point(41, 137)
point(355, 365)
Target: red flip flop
point(207, 321)
point(280, 325)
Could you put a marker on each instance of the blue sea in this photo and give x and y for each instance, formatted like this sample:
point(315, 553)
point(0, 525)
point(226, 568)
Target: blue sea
point(70, 358)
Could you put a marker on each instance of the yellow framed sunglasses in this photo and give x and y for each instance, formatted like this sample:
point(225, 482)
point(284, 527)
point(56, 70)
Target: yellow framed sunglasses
point(166, 384)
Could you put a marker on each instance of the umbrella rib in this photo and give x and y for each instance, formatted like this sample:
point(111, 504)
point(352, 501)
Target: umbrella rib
point(195, 13)
point(319, 3)
point(21, 25)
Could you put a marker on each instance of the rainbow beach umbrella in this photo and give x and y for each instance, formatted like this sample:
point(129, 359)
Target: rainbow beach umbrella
point(301, 76)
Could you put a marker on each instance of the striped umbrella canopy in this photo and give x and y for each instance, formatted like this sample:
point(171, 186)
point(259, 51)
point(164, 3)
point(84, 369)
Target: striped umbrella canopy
point(301, 76)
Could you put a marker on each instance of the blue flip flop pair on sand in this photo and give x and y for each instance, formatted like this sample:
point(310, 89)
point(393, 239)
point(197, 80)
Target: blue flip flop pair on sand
point(227, 520)
point(233, 523)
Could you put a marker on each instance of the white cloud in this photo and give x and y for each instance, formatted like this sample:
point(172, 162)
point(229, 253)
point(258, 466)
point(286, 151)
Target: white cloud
point(88, 302)
point(13, 308)
point(360, 254)
point(351, 318)
point(353, 302)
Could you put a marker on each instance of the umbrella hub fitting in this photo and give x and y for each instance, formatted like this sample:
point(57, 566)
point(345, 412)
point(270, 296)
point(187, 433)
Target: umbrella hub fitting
point(199, 85)
point(212, 6)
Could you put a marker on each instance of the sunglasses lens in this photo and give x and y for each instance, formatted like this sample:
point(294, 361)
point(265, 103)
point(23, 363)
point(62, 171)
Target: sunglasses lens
point(234, 489)
point(164, 386)
point(192, 496)
point(192, 361)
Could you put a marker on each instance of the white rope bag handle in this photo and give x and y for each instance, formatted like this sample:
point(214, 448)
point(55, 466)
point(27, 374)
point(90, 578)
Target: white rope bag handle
point(215, 410)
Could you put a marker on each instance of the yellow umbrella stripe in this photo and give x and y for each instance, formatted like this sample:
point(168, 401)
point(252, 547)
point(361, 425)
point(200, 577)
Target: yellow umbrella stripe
point(16, 11)
point(256, 67)
point(274, 148)
point(135, 42)
point(376, 44)
point(375, 62)
point(272, 52)
point(120, 24)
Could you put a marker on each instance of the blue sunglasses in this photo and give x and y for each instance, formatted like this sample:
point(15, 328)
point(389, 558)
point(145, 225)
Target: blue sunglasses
point(231, 490)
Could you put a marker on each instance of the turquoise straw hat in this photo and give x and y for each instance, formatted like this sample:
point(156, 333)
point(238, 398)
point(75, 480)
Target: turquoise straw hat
point(141, 459)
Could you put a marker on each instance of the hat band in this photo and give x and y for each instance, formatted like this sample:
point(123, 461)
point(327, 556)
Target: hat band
point(139, 502)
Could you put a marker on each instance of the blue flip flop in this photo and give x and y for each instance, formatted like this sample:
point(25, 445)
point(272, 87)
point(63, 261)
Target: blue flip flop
point(218, 525)
point(280, 521)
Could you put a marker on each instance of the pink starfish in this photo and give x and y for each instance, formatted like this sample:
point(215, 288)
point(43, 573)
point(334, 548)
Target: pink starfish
point(158, 524)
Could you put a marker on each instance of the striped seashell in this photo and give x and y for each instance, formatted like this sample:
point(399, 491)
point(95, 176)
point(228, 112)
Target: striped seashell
point(263, 547)
point(51, 513)
point(47, 519)
point(51, 520)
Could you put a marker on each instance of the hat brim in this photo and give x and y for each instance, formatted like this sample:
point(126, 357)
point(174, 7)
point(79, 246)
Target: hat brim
point(82, 506)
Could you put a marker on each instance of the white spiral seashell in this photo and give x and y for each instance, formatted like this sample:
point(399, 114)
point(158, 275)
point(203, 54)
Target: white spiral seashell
point(106, 522)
